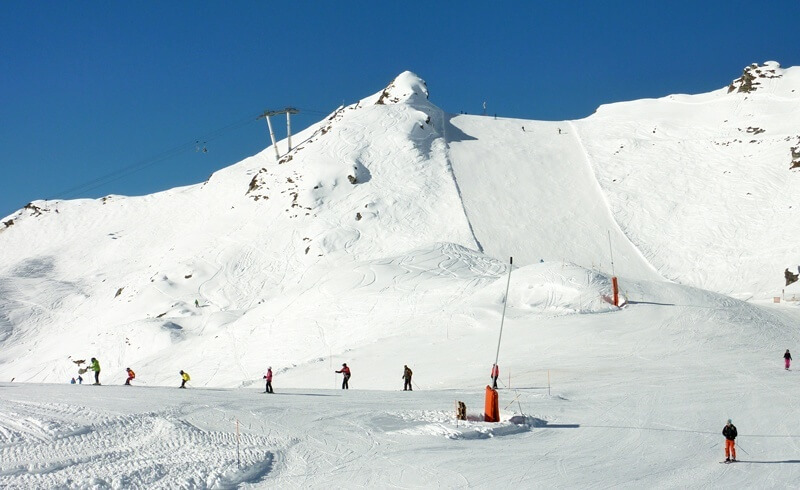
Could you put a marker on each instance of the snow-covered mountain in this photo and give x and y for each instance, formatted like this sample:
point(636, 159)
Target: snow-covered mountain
point(391, 222)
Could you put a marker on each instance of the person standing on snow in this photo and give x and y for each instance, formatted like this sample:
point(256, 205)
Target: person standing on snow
point(268, 377)
point(730, 433)
point(788, 359)
point(131, 375)
point(407, 377)
point(495, 375)
point(346, 372)
point(184, 377)
point(96, 368)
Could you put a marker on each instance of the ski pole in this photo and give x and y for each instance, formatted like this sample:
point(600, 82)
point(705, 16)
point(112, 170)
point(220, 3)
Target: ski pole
point(743, 449)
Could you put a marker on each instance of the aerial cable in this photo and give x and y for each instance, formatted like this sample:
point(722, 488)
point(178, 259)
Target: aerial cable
point(148, 162)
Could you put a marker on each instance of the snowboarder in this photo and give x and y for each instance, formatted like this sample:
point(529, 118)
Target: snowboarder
point(788, 359)
point(131, 376)
point(96, 368)
point(268, 377)
point(184, 377)
point(730, 433)
point(495, 375)
point(346, 376)
point(407, 377)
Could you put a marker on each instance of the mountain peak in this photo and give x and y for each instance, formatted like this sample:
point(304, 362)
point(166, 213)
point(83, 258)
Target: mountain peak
point(407, 86)
point(749, 81)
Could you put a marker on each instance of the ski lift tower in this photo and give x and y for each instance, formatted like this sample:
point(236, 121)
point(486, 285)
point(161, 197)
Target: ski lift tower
point(288, 111)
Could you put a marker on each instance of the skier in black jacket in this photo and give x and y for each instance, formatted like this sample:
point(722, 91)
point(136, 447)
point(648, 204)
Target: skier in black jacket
point(729, 431)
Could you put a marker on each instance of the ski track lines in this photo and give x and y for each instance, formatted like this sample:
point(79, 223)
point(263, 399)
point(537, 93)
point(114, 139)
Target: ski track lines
point(152, 450)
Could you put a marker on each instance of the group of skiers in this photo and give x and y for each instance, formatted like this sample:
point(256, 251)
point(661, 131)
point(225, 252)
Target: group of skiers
point(95, 366)
point(345, 371)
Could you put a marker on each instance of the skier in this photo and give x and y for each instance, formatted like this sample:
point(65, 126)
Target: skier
point(495, 375)
point(346, 372)
point(196, 304)
point(131, 376)
point(268, 377)
point(80, 380)
point(407, 377)
point(788, 358)
point(184, 377)
point(729, 431)
point(96, 368)
point(72, 382)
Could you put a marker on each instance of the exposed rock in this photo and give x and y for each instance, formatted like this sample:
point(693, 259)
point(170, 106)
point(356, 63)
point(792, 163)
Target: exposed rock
point(749, 82)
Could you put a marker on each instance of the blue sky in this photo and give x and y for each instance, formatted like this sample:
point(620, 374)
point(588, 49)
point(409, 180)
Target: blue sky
point(102, 98)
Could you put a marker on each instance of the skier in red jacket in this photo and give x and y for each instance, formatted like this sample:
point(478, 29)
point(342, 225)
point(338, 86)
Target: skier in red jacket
point(268, 377)
point(495, 375)
point(346, 372)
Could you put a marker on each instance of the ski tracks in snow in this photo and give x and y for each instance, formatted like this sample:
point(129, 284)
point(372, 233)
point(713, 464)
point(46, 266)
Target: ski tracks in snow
point(59, 445)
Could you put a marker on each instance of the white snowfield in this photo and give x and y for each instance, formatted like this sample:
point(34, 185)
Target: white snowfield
point(383, 239)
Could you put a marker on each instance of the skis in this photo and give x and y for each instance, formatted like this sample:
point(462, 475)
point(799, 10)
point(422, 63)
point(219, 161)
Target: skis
point(729, 461)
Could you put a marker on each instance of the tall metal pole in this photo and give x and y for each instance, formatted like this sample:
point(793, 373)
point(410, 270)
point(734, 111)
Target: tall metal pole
point(505, 303)
point(612, 253)
point(289, 130)
point(272, 137)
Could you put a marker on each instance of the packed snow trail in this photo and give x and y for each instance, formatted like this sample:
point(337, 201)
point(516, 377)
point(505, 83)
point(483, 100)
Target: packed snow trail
point(531, 194)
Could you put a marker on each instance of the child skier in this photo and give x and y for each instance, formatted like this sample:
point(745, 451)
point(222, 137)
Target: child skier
point(268, 377)
point(787, 359)
point(346, 372)
point(730, 433)
point(184, 377)
point(131, 375)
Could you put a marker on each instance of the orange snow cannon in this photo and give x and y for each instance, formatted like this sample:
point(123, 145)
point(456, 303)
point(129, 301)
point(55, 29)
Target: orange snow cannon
point(491, 410)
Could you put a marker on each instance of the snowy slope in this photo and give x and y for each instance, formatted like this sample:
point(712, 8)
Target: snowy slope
point(389, 221)
point(637, 399)
point(702, 183)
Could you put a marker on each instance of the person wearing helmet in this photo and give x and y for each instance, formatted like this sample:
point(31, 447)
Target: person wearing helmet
point(131, 375)
point(346, 376)
point(184, 377)
point(730, 433)
point(268, 377)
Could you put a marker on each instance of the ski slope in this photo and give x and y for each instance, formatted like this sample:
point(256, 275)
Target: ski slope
point(381, 239)
point(637, 399)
